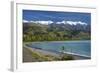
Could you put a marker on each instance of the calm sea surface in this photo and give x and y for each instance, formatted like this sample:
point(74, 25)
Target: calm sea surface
point(82, 48)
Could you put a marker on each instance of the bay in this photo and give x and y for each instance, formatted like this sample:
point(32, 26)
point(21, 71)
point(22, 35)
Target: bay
point(82, 48)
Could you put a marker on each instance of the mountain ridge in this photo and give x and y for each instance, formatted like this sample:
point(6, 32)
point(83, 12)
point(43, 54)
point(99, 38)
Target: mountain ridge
point(58, 22)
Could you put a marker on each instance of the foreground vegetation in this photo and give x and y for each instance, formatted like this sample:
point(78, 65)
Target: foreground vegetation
point(38, 57)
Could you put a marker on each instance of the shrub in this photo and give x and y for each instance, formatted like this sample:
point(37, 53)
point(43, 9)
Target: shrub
point(67, 57)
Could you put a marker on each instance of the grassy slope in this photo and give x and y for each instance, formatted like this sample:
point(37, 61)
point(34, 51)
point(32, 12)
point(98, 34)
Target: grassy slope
point(32, 56)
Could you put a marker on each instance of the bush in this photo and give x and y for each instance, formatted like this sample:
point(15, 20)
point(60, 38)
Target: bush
point(67, 57)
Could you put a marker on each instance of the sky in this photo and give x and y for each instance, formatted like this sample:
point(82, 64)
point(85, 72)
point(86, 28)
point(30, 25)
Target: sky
point(35, 15)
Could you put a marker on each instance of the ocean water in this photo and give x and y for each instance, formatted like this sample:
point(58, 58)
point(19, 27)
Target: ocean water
point(82, 48)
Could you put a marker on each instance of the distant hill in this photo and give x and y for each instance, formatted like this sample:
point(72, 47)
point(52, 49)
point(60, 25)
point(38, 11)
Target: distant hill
point(50, 31)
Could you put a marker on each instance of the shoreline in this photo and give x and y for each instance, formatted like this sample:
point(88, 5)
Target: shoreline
point(60, 41)
point(45, 52)
point(42, 51)
point(78, 55)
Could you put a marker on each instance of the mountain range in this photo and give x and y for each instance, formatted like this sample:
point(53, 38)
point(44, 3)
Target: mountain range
point(59, 22)
point(61, 25)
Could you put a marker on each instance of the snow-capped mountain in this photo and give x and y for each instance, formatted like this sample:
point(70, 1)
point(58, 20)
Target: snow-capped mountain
point(63, 25)
point(59, 22)
point(72, 22)
point(43, 22)
point(40, 22)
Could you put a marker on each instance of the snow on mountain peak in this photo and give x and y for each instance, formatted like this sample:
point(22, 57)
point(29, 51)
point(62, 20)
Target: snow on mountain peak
point(72, 22)
point(59, 22)
point(25, 21)
point(76, 22)
point(44, 22)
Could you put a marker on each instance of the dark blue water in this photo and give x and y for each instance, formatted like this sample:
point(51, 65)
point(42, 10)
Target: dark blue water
point(82, 48)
